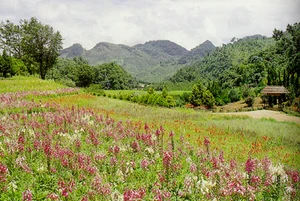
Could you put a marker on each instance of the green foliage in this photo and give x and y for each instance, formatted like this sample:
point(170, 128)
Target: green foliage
point(95, 89)
point(113, 76)
point(150, 91)
point(249, 101)
point(234, 95)
point(164, 92)
point(36, 44)
point(201, 96)
point(84, 73)
point(5, 64)
point(287, 44)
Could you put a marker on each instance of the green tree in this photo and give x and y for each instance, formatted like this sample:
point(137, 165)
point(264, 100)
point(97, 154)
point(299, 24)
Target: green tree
point(288, 44)
point(11, 38)
point(38, 45)
point(5, 64)
point(197, 94)
point(41, 43)
point(84, 73)
point(113, 76)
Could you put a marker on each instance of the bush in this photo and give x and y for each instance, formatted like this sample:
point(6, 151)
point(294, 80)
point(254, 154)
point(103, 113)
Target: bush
point(249, 101)
point(234, 95)
point(95, 89)
point(67, 82)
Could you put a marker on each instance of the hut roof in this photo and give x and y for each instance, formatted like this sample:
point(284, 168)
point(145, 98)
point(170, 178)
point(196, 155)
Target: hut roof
point(275, 90)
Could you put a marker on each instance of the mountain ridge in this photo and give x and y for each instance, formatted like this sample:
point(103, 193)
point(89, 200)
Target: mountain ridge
point(152, 61)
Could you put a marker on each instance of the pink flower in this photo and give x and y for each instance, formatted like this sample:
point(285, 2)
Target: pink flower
point(193, 168)
point(167, 158)
point(145, 164)
point(113, 161)
point(250, 166)
point(53, 196)
point(135, 146)
point(134, 195)
point(206, 141)
point(3, 172)
point(27, 195)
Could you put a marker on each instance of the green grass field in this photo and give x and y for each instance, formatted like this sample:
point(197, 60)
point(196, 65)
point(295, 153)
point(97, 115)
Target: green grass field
point(21, 83)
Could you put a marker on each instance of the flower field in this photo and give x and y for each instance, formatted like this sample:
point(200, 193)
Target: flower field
point(61, 145)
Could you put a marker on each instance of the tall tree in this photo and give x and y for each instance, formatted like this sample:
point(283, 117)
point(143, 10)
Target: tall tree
point(5, 64)
point(36, 44)
point(288, 44)
point(11, 38)
point(41, 43)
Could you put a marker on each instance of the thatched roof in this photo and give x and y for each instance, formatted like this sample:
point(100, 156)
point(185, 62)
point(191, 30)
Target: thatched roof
point(274, 90)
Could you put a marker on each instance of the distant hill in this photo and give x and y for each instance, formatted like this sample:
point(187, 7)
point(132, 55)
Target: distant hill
point(152, 61)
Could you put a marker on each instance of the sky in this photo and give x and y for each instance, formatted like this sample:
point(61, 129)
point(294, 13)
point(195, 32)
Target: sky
point(130, 22)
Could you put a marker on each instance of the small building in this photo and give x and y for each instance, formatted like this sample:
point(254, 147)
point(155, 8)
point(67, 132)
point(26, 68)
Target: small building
point(275, 93)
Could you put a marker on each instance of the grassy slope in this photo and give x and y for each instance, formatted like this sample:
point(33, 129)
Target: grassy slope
point(236, 136)
point(20, 83)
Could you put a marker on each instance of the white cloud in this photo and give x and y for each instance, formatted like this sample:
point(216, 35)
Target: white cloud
point(188, 22)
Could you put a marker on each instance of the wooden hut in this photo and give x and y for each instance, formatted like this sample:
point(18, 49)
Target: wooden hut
point(278, 92)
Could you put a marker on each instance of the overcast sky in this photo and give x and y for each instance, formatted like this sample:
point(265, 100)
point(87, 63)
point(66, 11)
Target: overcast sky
point(185, 22)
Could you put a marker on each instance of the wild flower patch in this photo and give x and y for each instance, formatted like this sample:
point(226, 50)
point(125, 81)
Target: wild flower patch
point(74, 153)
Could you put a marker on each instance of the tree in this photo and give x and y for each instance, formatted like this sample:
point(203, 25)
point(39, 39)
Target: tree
point(36, 44)
point(113, 76)
point(202, 96)
point(5, 64)
point(11, 38)
point(84, 73)
point(288, 44)
point(41, 43)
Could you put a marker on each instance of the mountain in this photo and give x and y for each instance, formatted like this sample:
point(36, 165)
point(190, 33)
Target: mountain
point(75, 50)
point(152, 61)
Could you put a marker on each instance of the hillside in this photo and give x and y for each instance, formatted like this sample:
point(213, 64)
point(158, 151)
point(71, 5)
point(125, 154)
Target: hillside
point(225, 64)
point(152, 61)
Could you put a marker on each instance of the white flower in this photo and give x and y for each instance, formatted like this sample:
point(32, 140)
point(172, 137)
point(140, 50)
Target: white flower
point(189, 160)
point(205, 186)
point(41, 169)
point(117, 196)
point(153, 137)
point(277, 170)
point(120, 176)
point(149, 150)
point(12, 185)
point(31, 132)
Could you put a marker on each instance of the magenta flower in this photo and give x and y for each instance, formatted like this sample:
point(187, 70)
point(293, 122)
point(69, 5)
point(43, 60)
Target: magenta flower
point(206, 141)
point(3, 172)
point(27, 195)
point(250, 166)
point(167, 159)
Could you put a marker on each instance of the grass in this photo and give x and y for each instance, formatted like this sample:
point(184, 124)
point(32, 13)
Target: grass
point(21, 83)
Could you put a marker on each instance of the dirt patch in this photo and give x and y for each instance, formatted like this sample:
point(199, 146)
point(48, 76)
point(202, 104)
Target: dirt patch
point(278, 116)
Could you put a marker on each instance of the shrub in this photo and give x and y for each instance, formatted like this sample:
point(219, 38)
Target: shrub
point(95, 89)
point(249, 101)
point(234, 95)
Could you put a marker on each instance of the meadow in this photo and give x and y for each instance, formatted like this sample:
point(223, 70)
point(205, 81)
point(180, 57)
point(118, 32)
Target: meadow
point(59, 143)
